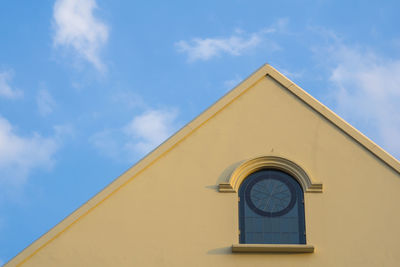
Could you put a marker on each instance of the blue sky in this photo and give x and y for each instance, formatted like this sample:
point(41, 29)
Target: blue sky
point(89, 87)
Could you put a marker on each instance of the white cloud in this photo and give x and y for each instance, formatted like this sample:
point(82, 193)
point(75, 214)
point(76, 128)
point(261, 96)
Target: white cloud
point(290, 74)
point(150, 129)
point(235, 45)
point(19, 156)
point(78, 28)
point(368, 92)
point(138, 137)
point(205, 49)
point(5, 88)
point(45, 102)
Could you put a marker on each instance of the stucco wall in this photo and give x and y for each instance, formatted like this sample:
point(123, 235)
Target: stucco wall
point(173, 215)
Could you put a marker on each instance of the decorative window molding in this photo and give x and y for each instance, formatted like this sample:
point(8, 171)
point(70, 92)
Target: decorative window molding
point(273, 162)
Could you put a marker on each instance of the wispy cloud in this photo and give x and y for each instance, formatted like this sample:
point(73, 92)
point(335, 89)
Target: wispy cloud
point(5, 88)
point(77, 27)
point(290, 74)
point(150, 129)
point(20, 155)
point(45, 102)
point(207, 48)
point(139, 136)
point(230, 84)
point(234, 45)
point(367, 91)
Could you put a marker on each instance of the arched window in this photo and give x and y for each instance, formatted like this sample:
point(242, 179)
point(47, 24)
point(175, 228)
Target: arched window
point(271, 209)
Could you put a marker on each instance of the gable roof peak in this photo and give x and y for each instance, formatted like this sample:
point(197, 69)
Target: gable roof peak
point(187, 130)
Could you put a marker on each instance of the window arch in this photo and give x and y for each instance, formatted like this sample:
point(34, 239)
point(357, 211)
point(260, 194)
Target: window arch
point(271, 209)
point(245, 168)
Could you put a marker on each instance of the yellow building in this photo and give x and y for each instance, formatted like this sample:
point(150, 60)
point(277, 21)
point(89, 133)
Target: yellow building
point(267, 176)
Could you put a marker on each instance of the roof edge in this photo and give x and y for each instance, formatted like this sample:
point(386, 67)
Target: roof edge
point(137, 168)
point(335, 119)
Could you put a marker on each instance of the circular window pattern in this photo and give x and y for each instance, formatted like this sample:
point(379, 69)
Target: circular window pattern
point(270, 195)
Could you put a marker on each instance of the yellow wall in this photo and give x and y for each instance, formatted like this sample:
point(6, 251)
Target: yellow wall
point(172, 214)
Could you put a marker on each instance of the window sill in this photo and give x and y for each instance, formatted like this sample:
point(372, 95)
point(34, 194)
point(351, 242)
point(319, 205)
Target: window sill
point(272, 248)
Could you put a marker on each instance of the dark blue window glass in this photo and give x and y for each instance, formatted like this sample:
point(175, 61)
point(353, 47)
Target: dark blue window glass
point(271, 209)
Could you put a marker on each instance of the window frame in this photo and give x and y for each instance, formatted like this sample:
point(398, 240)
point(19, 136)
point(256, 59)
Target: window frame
point(236, 173)
point(299, 195)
